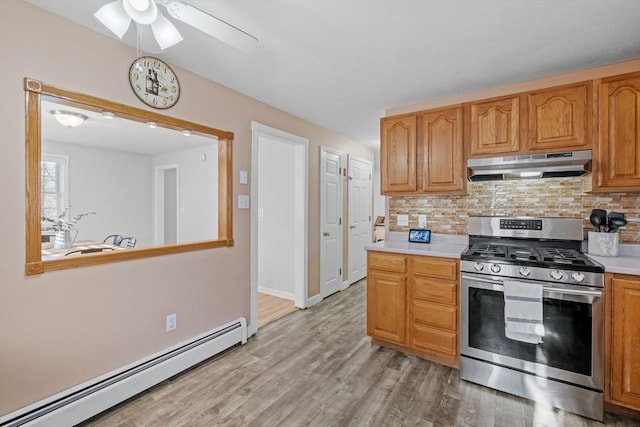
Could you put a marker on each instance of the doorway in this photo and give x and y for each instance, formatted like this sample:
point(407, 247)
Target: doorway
point(360, 227)
point(279, 222)
point(167, 200)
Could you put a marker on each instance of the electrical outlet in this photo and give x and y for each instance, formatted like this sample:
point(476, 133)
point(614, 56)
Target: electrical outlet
point(402, 220)
point(171, 322)
point(422, 221)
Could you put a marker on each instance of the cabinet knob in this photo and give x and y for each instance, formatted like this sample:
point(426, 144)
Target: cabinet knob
point(326, 234)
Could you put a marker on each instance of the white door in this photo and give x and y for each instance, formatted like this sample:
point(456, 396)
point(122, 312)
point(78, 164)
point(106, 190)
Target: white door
point(330, 221)
point(360, 228)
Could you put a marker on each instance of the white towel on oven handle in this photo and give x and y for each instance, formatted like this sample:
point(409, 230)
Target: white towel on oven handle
point(523, 311)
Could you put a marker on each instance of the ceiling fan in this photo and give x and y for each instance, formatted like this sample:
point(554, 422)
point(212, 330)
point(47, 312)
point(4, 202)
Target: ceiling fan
point(117, 17)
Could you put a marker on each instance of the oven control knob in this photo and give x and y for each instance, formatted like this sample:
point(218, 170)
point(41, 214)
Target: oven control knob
point(495, 268)
point(524, 271)
point(577, 276)
point(478, 266)
point(556, 274)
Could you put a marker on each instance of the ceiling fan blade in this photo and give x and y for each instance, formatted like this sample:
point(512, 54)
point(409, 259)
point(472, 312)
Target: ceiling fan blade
point(147, 40)
point(211, 25)
point(165, 32)
point(113, 16)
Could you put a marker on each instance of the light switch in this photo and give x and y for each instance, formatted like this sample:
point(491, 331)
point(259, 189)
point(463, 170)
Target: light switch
point(243, 177)
point(402, 220)
point(243, 202)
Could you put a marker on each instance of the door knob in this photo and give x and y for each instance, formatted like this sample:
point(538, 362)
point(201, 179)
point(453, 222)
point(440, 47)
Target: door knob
point(326, 234)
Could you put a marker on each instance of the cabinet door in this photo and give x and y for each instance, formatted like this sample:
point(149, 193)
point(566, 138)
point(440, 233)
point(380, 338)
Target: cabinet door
point(386, 303)
point(560, 118)
point(619, 141)
point(441, 167)
point(398, 154)
point(625, 358)
point(495, 126)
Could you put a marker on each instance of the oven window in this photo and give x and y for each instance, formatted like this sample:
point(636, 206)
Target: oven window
point(566, 344)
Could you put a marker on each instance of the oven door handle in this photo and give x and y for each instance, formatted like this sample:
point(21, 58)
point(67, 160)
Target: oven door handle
point(481, 279)
point(580, 292)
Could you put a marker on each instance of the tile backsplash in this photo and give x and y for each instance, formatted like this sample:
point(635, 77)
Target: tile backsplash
point(563, 197)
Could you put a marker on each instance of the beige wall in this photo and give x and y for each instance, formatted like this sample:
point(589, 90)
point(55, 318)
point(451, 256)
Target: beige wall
point(63, 328)
point(560, 79)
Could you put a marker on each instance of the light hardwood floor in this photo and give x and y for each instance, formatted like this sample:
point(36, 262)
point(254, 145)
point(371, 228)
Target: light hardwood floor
point(317, 367)
point(272, 308)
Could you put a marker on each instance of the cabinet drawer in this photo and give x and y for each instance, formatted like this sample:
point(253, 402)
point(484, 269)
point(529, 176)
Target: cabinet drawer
point(435, 267)
point(435, 315)
point(435, 340)
point(387, 262)
point(428, 290)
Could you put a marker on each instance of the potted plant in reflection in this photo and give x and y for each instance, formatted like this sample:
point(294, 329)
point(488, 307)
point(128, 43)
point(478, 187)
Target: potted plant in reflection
point(63, 227)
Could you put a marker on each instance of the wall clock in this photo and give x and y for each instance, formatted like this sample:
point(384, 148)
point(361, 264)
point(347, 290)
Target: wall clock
point(154, 82)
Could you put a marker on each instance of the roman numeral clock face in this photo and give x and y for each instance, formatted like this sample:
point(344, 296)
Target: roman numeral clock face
point(154, 82)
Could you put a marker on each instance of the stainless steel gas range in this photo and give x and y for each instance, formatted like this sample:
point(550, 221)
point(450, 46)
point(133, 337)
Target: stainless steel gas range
point(532, 312)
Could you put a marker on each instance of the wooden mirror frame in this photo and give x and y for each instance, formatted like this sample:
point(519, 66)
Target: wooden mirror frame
point(35, 90)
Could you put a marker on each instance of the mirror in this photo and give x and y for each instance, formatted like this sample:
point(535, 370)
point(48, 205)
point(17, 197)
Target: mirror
point(146, 183)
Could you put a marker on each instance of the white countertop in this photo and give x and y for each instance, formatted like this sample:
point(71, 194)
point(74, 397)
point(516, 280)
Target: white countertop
point(442, 245)
point(619, 264)
point(451, 246)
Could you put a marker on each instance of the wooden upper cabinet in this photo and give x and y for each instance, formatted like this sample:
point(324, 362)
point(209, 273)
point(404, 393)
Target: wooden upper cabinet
point(495, 126)
point(398, 154)
point(441, 153)
point(618, 154)
point(560, 118)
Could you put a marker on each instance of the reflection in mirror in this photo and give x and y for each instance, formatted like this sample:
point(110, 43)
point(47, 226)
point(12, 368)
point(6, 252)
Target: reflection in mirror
point(142, 181)
point(109, 182)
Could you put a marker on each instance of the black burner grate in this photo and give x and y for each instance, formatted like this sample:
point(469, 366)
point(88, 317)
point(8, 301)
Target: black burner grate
point(562, 256)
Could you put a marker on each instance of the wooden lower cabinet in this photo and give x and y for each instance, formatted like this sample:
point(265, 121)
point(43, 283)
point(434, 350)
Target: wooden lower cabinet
point(412, 303)
point(432, 300)
point(622, 346)
point(386, 297)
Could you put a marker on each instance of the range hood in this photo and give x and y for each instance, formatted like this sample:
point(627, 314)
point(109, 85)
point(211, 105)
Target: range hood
point(528, 166)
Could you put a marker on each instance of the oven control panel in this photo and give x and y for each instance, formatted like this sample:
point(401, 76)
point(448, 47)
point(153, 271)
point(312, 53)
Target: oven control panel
point(520, 224)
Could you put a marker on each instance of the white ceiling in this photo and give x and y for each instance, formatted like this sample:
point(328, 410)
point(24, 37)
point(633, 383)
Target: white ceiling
point(117, 133)
point(341, 63)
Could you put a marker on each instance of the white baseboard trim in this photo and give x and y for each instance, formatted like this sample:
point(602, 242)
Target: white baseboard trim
point(345, 285)
point(314, 300)
point(276, 293)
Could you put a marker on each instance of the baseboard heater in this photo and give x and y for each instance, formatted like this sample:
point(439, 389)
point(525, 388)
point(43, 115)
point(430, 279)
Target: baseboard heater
point(89, 399)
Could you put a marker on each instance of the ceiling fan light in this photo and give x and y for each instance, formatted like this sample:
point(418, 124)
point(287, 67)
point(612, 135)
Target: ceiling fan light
point(68, 118)
point(114, 17)
point(165, 32)
point(138, 12)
